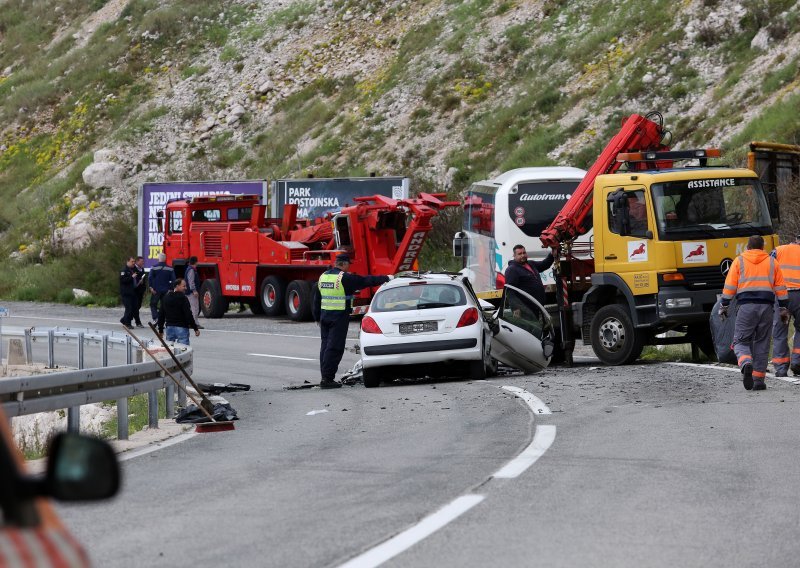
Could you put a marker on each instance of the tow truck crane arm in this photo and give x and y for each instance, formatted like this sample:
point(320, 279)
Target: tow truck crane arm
point(638, 134)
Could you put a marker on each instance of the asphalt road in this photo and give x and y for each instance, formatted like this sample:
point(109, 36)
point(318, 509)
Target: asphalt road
point(650, 465)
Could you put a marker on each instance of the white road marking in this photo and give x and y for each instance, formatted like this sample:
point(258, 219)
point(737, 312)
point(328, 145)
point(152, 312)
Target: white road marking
point(157, 446)
point(313, 412)
point(542, 440)
point(792, 380)
point(535, 404)
point(282, 357)
point(409, 537)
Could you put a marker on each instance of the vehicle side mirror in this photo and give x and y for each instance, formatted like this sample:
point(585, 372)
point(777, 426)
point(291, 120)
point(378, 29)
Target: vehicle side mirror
point(81, 468)
point(620, 212)
point(160, 221)
point(460, 245)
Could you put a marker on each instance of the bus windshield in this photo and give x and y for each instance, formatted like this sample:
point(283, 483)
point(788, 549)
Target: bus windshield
point(703, 208)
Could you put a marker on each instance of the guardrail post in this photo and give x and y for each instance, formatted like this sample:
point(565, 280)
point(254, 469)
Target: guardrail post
point(170, 405)
point(122, 418)
point(104, 354)
point(74, 419)
point(28, 347)
point(152, 408)
point(128, 350)
point(80, 350)
point(51, 353)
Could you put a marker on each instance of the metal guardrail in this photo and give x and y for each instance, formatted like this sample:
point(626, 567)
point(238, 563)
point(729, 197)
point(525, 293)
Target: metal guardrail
point(72, 389)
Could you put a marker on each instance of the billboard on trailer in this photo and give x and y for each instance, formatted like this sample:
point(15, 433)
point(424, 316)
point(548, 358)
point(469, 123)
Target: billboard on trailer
point(154, 196)
point(316, 197)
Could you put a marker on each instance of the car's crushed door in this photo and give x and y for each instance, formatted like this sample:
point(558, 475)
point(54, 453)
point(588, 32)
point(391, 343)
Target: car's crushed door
point(524, 334)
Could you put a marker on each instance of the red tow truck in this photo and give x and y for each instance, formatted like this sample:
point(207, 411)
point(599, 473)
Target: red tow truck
point(272, 264)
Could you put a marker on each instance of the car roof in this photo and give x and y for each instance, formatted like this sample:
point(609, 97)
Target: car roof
point(431, 278)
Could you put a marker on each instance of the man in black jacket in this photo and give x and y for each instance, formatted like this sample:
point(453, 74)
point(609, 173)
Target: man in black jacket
point(177, 314)
point(524, 274)
point(332, 306)
point(141, 288)
point(127, 291)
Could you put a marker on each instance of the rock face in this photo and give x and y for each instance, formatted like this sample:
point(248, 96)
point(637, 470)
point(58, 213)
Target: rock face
point(78, 233)
point(103, 174)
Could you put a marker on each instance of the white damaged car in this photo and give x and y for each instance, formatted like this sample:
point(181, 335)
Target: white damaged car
point(434, 324)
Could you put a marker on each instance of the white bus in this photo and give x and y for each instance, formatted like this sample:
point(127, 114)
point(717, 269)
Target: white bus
point(513, 208)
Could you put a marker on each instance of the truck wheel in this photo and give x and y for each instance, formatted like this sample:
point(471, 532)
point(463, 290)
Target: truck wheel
point(211, 301)
point(614, 339)
point(298, 300)
point(371, 378)
point(273, 290)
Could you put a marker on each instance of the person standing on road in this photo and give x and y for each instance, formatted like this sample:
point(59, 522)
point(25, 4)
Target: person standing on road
point(192, 291)
point(162, 279)
point(141, 288)
point(525, 274)
point(757, 281)
point(331, 308)
point(127, 291)
point(176, 313)
point(788, 257)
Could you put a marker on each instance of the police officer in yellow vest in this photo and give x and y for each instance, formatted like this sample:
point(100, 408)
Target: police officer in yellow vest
point(332, 308)
point(788, 257)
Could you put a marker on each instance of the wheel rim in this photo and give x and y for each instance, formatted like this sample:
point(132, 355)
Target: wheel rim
point(294, 302)
point(207, 300)
point(612, 335)
point(269, 295)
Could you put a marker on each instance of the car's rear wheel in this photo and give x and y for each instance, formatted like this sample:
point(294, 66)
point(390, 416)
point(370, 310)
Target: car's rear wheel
point(371, 378)
point(477, 369)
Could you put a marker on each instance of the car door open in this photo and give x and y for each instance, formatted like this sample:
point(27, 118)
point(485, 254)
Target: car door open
point(524, 334)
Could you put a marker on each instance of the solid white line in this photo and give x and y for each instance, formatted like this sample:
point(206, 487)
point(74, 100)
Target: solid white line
point(157, 446)
point(792, 380)
point(204, 331)
point(542, 440)
point(281, 357)
point(535, 404)
point(409, 537)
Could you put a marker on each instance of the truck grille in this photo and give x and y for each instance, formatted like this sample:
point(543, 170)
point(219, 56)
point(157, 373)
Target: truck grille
point(703, 278)
point(212, 244)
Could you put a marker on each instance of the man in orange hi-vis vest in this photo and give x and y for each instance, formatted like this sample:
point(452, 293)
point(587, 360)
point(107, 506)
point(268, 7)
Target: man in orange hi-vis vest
point(757, 281)
point(788, 257)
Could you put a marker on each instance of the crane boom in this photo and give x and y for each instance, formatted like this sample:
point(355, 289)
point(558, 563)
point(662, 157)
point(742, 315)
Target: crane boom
point(638, 133)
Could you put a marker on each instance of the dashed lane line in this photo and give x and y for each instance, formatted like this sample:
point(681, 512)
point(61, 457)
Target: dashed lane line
point(542, 440)
point(282, 357)
point(535, 404)
point(409, 537)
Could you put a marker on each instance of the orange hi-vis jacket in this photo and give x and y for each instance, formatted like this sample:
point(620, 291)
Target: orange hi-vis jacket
point(755, 278)
point(788, 257)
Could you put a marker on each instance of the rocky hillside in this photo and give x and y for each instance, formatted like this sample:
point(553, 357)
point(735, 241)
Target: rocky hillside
point(99, 96)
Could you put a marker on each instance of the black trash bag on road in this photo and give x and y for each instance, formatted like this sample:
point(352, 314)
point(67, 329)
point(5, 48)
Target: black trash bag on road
point(219, 388)
point(223, 412)
point(722, 332)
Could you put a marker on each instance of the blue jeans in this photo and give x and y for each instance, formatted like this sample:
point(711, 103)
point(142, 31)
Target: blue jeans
point(178, 334)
